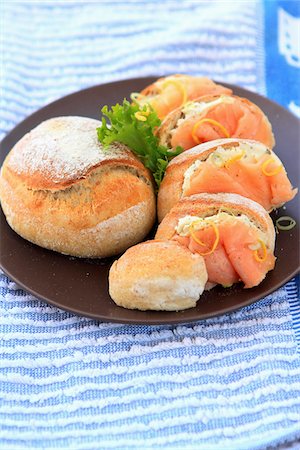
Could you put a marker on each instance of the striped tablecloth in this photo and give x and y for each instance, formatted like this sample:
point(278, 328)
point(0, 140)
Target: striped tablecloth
point(231, 382)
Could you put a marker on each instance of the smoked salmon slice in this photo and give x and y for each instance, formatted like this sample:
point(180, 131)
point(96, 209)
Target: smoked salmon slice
point(239, 255)
point(261, 178)
point(233, 234)
point(237, 166)
point(214, 117)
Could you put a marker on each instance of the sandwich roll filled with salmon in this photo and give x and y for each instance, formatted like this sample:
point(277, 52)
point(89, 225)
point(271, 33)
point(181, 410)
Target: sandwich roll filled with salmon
point(171, 92)
point(157, 275)
point(237, 166)
point(215, 117)
point(234, 235)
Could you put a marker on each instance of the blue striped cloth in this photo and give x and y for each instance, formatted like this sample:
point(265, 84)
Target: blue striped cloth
point(231, 382)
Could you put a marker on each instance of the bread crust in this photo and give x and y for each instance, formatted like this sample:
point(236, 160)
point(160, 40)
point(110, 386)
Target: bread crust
point(96, 208)
point(204, 205)
point(64, 150)
point(146, 278)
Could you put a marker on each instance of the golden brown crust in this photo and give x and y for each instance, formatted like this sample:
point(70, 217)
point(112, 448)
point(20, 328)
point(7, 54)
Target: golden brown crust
point(168, 124)
point(100, 212)
point(204, 205)
point(145, 277)
point(62, 151)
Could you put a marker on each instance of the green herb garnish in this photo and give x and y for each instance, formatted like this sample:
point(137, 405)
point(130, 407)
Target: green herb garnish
point(135, 126)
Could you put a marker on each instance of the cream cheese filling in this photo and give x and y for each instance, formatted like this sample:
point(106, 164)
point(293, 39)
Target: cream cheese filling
point(244, 151)
point(185, 223)
point(191, 109)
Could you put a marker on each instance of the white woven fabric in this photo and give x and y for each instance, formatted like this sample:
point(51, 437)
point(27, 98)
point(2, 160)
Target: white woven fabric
point(68, 382)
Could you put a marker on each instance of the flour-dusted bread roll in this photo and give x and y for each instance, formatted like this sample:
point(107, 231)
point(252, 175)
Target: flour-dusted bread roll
point(61, 190)
point(157, 275)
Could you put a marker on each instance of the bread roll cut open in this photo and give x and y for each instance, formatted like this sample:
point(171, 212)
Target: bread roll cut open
point(234, 234)
point(239, 166)
point(157, 275)
point(61, 190)
point(213, 117)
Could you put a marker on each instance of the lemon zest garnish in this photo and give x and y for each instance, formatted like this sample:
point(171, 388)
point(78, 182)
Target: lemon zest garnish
point(235, 158)
point(264, 249)
point(141, 115)
point(192, 229)
point(215, 228)
point(265, 165)
point(213, 122)
point(180, 87)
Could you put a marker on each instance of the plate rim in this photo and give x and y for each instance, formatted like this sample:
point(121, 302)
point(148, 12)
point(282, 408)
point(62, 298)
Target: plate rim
point(105, 319)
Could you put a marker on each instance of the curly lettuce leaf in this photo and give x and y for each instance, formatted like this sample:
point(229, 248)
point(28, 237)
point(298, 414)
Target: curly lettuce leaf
point(135, 126)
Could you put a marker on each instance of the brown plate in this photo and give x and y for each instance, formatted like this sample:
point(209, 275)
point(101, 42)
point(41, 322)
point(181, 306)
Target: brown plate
point(81, 286)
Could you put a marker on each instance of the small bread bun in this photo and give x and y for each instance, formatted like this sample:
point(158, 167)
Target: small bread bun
point(245, 177)
point(157, 275)
point(61, 190)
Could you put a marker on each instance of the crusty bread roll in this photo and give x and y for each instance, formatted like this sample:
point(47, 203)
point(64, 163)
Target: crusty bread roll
point(157, 275)
point(234, 234)
point(61, 190)
point(239, 166)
